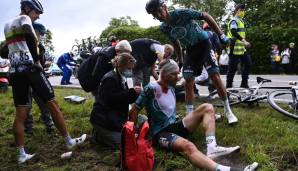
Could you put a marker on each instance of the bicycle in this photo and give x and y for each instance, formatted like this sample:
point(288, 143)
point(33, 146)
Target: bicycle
point(285, 101)
point(241, 95)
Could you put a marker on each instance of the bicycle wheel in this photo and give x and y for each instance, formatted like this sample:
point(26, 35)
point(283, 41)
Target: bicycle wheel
point(235, 96)
point(283, 102)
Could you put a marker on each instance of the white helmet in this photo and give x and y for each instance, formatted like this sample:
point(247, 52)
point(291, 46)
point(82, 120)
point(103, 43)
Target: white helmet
point(33, 4)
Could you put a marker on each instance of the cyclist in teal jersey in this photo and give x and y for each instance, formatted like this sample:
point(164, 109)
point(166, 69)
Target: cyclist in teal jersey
point(181, 28)
point(159, 100)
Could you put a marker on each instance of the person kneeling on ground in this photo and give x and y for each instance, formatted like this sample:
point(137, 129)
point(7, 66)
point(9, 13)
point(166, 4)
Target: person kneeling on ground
point(159, 100)
point(110, 110)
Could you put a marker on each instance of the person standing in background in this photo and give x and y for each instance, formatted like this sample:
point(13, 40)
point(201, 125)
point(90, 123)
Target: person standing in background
point(237, 34)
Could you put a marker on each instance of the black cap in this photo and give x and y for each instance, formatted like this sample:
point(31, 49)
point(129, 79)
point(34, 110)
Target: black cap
point(239, 6)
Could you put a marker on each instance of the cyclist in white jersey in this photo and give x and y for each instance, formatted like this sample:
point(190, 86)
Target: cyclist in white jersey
point(26, 73)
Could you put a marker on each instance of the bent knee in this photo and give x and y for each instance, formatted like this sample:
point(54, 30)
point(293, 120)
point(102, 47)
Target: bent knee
point(206, 108)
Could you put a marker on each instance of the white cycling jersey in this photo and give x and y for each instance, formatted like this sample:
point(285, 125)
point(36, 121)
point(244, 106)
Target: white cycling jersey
point(19, 54)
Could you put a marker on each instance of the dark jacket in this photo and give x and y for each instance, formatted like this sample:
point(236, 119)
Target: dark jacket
point(142, 53)
point(110, 109)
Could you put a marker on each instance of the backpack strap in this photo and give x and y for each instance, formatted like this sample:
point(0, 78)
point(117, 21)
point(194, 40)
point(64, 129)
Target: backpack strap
point(144, 130)
point(127, 133)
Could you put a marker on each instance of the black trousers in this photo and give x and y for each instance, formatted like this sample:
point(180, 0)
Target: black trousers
point(232, 68)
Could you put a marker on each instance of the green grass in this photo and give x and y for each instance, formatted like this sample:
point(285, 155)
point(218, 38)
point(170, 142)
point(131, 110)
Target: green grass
point(264, 135)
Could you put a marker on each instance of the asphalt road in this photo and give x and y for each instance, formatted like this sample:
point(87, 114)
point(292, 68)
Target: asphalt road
point(277, 81)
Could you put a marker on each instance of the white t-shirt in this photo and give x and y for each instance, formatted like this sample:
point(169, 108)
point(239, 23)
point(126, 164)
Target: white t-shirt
point(19, 54)
point(166, 101)
point(203, 77)
point(285, 56)
point(158, 48)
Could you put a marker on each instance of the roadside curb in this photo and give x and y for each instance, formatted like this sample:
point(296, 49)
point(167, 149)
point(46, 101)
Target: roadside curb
point(66, 86)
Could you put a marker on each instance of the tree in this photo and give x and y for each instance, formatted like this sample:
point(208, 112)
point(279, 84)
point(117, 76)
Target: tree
point(270, 21)
point(216, 8)
point(48, 44)
point(118, 22)
point(267, 22)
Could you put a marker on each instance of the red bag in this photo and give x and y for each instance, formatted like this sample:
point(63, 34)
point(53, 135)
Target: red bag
point(137, 152)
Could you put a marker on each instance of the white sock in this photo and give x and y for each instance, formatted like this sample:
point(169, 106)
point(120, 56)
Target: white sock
point(22, 151)
point(211, 142)
point(189, 108)
point(222, 168)
point(226, 106)
point(68, 139)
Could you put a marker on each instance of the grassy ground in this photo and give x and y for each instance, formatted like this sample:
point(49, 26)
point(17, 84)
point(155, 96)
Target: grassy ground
point(264, 135)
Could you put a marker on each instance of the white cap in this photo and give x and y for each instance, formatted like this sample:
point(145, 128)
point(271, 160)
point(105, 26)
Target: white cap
point(124, 46)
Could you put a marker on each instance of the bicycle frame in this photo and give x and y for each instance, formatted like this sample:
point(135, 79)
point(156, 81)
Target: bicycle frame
point(294, 90)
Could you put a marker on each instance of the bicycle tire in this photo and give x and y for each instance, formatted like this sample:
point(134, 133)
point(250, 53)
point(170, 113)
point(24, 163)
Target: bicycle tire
point(286, 109)
point(235, 96)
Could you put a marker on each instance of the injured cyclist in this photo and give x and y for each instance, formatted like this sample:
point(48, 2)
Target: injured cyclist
point(158, 98)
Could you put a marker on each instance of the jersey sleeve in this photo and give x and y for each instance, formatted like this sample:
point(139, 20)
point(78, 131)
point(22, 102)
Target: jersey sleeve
point(146, 94)
point(25, 20)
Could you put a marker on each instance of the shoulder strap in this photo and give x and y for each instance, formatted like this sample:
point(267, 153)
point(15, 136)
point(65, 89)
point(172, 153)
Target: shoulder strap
point(144, 130)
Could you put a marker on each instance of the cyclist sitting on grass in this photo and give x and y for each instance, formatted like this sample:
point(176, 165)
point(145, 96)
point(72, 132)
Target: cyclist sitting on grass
point(159, 100)
point(180, 26)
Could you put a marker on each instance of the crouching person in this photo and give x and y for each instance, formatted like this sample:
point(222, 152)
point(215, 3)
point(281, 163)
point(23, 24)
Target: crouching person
point(159, 100)
point(110, 110)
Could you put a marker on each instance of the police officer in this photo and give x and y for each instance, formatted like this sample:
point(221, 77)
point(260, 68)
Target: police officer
point(237, 34)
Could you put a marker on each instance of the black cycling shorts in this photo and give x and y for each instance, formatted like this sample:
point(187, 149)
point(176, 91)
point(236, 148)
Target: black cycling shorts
point(198, 56)
point(22, 84)
point(168, 135)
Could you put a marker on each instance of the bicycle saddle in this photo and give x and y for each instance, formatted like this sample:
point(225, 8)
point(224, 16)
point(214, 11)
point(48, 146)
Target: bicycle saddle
point(260, 79)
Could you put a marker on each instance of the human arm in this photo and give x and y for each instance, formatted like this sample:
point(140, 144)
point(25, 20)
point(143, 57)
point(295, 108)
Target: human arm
point(113, 95)
point(4, 50)
point(212, 23)
point(133, 113)
point(178, 51)
point(153, 72)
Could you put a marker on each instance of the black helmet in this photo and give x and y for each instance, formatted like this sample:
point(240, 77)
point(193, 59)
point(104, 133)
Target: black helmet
point(239, 6)
point(153, 5)
point(40, 28)
point(33, 4)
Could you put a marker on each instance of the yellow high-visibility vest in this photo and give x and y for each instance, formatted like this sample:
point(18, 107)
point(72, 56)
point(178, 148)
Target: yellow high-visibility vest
point(239, 48)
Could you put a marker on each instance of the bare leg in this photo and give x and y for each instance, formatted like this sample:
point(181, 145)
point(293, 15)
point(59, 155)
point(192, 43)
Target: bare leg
point(217, 82)
point(189, 94)
point(18, 125)
point(204, 114)
point(222, 92)
point(57, 117)
point(197, 158)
